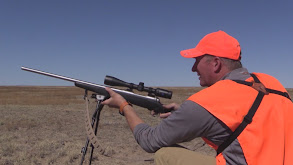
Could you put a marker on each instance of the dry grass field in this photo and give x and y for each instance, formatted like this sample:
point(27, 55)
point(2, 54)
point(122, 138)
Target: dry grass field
point(45, 125)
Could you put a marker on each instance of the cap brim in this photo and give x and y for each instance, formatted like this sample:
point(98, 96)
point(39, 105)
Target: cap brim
point(191, 53)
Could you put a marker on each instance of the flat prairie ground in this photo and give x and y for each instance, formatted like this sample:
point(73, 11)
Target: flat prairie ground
point(45, 125)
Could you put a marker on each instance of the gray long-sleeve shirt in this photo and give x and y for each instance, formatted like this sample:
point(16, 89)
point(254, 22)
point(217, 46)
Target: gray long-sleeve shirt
point(191, 121)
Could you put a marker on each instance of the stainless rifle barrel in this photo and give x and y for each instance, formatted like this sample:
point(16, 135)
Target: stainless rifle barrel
point(56, 76)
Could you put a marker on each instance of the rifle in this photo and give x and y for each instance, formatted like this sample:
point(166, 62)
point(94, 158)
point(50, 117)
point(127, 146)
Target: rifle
point(151, 102)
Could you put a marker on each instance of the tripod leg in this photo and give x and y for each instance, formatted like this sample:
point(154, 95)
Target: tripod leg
point(84, 149)
point(97, 119)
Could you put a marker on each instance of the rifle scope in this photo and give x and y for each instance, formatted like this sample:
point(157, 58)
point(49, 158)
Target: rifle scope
point(113, 81)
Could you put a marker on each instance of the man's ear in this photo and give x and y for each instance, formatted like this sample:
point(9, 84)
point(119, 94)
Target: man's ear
point(217, 64)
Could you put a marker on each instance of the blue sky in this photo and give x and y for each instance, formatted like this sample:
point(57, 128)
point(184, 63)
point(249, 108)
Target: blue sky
point(137, 40)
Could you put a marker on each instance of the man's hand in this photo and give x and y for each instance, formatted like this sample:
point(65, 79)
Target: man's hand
point(171, 107)
point(115, 99)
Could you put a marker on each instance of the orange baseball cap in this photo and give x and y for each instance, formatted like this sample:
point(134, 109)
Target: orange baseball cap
point(218, 44)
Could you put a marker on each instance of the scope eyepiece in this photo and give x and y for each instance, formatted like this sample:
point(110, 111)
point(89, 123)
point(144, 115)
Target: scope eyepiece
point(113, 81)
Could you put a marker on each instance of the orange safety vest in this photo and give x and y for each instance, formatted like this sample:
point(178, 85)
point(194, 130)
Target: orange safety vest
point(268, 139)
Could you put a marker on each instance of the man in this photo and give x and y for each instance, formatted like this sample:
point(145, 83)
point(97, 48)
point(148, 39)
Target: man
point(245, 117)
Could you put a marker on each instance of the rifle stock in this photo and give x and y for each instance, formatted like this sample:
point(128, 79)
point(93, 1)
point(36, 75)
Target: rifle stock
point(151, 103)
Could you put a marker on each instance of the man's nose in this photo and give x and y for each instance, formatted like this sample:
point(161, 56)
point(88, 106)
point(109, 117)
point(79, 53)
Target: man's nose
point(194, 67)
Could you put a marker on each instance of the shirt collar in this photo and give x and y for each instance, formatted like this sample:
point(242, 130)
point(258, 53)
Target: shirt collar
point(237, 74)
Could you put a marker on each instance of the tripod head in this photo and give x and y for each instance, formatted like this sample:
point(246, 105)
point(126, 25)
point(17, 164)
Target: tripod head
point(113, 81)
